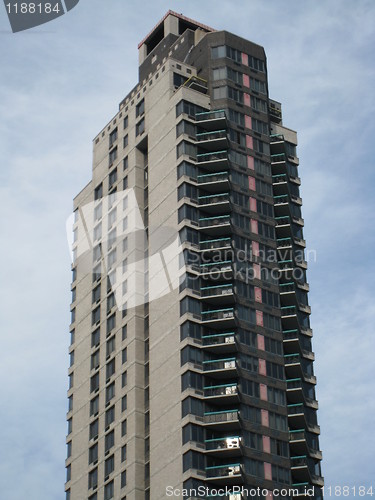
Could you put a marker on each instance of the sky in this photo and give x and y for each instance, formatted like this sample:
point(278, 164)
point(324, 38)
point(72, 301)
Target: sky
point(61, 83)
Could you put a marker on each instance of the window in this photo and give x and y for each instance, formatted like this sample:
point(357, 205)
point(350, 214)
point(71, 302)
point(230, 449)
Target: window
point(68, 449)
point(71, 358)
point(126, 141)
point(109, 440)
point(126, 122)
point(140, 127)
point(110, 345)
point(110, 392)
point(98, 192)
point(70, 425)
point(96, 294)
point(140, 108)
point(67, 495)
point(188, 108)
point(94, 406)
point(193, 460)
point(68, 473)
point(123, 479)
point(112, 156)
point(124, 379)
point(124, 403)
point(125, 183)
point(94, 497)
point(111, 323)
point(124, 332)
point(109, 466)
point(112, 178)
point(125, 163)
point(94, 429)
point(96, 272)
point(218, 52)
point(256, 64)
point(110, 368)
point(71, 380)
point(70, 403)
point(95, 360)
point(123, 428)
point(124, 355)
point(110, 301)
point(93, 454)
point(109, 416)
point(98, 232)
point(258, 104)
point(93, 479)
point(72, 337)
point(95, 338)
point(113, 137)
point(94, 382)
point(95, 315)
point(112, 216)
point(73, 315)
point(98, 211)
point(108, 491)
point(123, 453)
point(97, 252)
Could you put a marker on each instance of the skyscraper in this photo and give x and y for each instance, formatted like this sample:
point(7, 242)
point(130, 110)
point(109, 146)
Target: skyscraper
point(191, 365)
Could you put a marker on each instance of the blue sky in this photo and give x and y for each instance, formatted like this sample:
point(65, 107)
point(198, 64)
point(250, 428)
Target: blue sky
point(60, 83)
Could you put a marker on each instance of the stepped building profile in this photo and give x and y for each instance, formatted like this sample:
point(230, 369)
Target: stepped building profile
point(191, 361)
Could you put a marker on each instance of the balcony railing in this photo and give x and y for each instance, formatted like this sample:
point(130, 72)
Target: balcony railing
point(210, 291)
point(210, 136)
point(278, 158)
point(226, 313)
point(218, 338)
point(284, 242)
point(288, 311)
point(219, 364)
point(216, 177)
point(223, 470)
point(218, 220)
point(212, 267)
point(228, 443)
point(210, 115)
point(220, 390)
point(214, 156)
point(214, 417)
point(213, 199)
point(213, 244)
point(283, 198)
point(282, 221)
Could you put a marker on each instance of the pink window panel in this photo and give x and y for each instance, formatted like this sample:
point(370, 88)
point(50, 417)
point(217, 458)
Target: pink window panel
point(262, 367)
point(260, 342)
point(264, 418)
point(255, 248)
point(263, 392)
point(250, 162)
point(248, 122)
point(249, 142)
point(251, 183)
point(254, 226)
point(246, 80)
point(259, 318)
point(258, 294)
point(266, 444)
point(246, 99)
point(256, 268)
point(267, 471)
point(253, 206)
point(245, 59)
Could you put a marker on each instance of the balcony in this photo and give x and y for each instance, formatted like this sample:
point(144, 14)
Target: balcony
point(303, 468)
point(216, 317)
point(223, 447)
point(219, 294)
point(214, 203)
point(297, 391)
point(278, 158)
point(216, 244)
point(284, 243)
point(227, 391)
point(213, 160)
point(214, 181)
point(224, 472)
point(211, 120)
point(220, 342)
point(220, 368)
point(300, 416)
point(213, 269)
point(296, 365)
point(220, 224)
point(227, 419)
point(301, 443)
point(213, 140)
